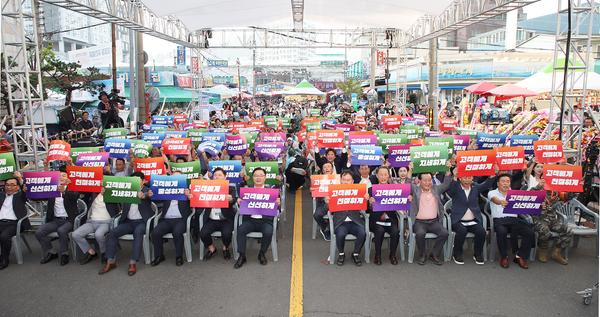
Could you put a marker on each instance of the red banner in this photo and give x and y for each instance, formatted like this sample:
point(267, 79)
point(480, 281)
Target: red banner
point(176, 146)
point(180, 118)
point(548, 151)
point(330, 139)
point(59, 151)
point(150, 166)
point(391, 122)
point(447, 125)
point(475, 163)
point(209, 193)
point(344, 197)
point(510, 158)
point(563, 178)
point(85, 179)
point(319, 184)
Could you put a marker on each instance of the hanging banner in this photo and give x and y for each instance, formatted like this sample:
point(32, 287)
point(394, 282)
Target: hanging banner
point(391, 122)
point(344, 197)
point(259, 201)
point(429, 158)
point(211, 148)
point(412, 131)
point(236, 145)
point(391, 197)
point(548, 151)
point(367, 155)
point(59, 151)
point(385, 140)
point(213, 136)
point(399, 155)
point(121, 189)
point(168, 187)
point(475, 163)
point(486, 141)
point(361, 138)
point(176, 146)
point(117, 148)
point(330, 139)
point(78, 150)
point(272, 169)
point(268, 151)
point(272, 137)
point(461, 142)
point(141, 148)
point(7, 165)
point(155, 139)
point(510, 158)
point(526, 141)
point(232, 169)
point(209, 193)
point(99, 159)
point(150, 166)
point(527, 202)
point(563, 178)
point(448, 142)
point(319, 184)
point(115, 133)
point(190, 169)
point(84, 179)
point(175, 134)
point(41, 185)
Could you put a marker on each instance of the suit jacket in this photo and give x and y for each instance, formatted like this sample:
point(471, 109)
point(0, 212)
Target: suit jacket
point(340, 162)
point(340, 216)
point(112, 208)
point(184, 208)
point(376, 216)
point(227, 213)
point(19, 208)
point(437, 191)
point(268, 219)
point(460, 202)
point(145, 208)
point(70, 203)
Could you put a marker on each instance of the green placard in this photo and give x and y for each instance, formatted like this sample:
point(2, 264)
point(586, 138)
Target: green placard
point(271, 121)
point(115, 133)
point(463, 131)
point(191, 169)
point(121, 189)
point(88, 149)
point(141, 148)
point(429, 158)
point(412, 131)
point(195, 135)
point(314, 112)
point(7, 165)
point(272, 169)
point(335, 114)
point(313, 126)
point(384, 140)
point(443, 141)
point(286, 123)
point(250, 138)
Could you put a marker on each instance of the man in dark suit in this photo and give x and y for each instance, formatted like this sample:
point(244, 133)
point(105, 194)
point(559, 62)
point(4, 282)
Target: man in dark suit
point(60, 217)
point(339, 163)
point(12, 208)
point(133, 221)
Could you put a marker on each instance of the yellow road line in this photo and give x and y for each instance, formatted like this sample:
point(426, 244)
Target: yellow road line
point(296, 289)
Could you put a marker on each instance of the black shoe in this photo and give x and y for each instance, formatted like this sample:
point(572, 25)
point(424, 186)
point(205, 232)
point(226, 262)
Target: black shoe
point(421, 259)
point(435, 260)
point(458, 259)
point(377, 260)
point(103, 258)
point(478, 259)
point(393, 260)
point(157, 260)
point(326, 234)
point(262, 259)
point(340, 260)
point(88, 257)
point(209, 254)
point(64, 259)
point(49, 257)
point(356, 259)
point(226, 254)
point(179, 261)
point(240, 262)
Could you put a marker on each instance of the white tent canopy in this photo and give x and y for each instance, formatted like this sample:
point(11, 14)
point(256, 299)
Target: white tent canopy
point(541, 82)
point(223, 91)
point(304, 88)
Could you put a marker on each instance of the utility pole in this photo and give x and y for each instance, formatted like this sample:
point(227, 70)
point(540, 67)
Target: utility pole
point(387, 76)
point(113, 29)
point(237, 61)
point(433, 81)
point(254, 72)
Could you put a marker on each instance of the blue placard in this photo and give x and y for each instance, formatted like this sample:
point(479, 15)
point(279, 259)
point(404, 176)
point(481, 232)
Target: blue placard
point(155, 139)
point(175, 134)
point(211, 148)
point(526, 141)
point(154, 127)
point(163, 120)
point(366, 155)
point(168, 187)
point(213, 136)
point(486, 141)
point(232, 169)
point(117, 148)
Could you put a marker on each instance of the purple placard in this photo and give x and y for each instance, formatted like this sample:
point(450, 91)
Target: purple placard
point(42, 185)
point(344, 127)
point(434, 134)
point(259, 201)
point(461, 142)
point(236, 145)
point(524, 202)
point(399, 155)
point(98, 159)
point(272, 137)
point(420, 119)
point(362, 139)
point(269, 150)
point(391, 197)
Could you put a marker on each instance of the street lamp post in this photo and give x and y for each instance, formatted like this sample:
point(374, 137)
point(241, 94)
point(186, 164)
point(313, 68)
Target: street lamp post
point(237, 61)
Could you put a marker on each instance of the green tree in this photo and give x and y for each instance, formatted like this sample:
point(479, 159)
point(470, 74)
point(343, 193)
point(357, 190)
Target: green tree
point(350, 87)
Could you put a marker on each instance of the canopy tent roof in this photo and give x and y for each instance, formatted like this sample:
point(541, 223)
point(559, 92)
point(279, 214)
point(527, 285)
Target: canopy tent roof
point(223, 91)
point(198, 14)
point(480, 88)
point(304, 88)
point(173, 94)
point(541, 82)
point(509, 91)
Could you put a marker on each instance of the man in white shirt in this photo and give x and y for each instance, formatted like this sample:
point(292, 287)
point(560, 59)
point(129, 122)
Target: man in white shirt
point(12, 208)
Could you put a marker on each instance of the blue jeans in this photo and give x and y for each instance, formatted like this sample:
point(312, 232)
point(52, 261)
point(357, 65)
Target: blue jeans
point(349, 227)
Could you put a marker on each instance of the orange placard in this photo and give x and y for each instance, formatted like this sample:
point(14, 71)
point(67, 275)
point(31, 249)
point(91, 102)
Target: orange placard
point(59, 151)
point(333, 139)
point(176, 146)
point(510, 158)
point(563, 178)
point(344, 197)
point(319, 184)
point(548, 151)
point(150, 166)
point(209, 193)
point(391, 122)
point(84, 179)
point(475, 163)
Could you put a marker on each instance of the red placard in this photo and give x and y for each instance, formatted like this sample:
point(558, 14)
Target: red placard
point(180, 118)
point(59, 151)
point(475, 163)
point(344, 197)
point(176, 146)
point(563, 178)
point(150, 166)
point(510, 158)
point(548, 151)
point(84, 179)
point(391, 122)
point(311, 137)
point(305, 121)
point(333, 139)
point(301, 135)
point(447, 125)
point(201, 124)
point(319, 184)
point(258, 123)
point(360, 122)
point(209, 193)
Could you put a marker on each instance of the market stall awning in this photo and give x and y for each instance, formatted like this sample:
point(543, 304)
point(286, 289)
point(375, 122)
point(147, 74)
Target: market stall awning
point(480, 88)
point(510, 91)
point(304, 88)
point(173, 94)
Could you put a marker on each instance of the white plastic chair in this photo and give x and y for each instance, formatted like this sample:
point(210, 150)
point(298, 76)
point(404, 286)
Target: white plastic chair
point(574, 209)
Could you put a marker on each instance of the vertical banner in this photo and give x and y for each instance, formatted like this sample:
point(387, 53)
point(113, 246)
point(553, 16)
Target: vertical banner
point(399, 155)
point(259, 201)
point(85, 179)
point(190, 169)
point(176, 146)
point(121, 189)
point(475, 163)
point(367, 155)
point(209, 193)
point(168, 187)
point(59, 151)
point(233, 169)
point(526, 141)
point(272, 169)
point(563, 178)
point(319, 184)
point(180, 55)
point(42, 185)
point(99, 159)
point(333, 139)
point(150, 166)
point(510, 158)
point(429, 158)
point(7, 165)
point(524, 202)
point(548, 151)
point(486, 141)
point(391, 197)
point(117, 148)
point(344, 197)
